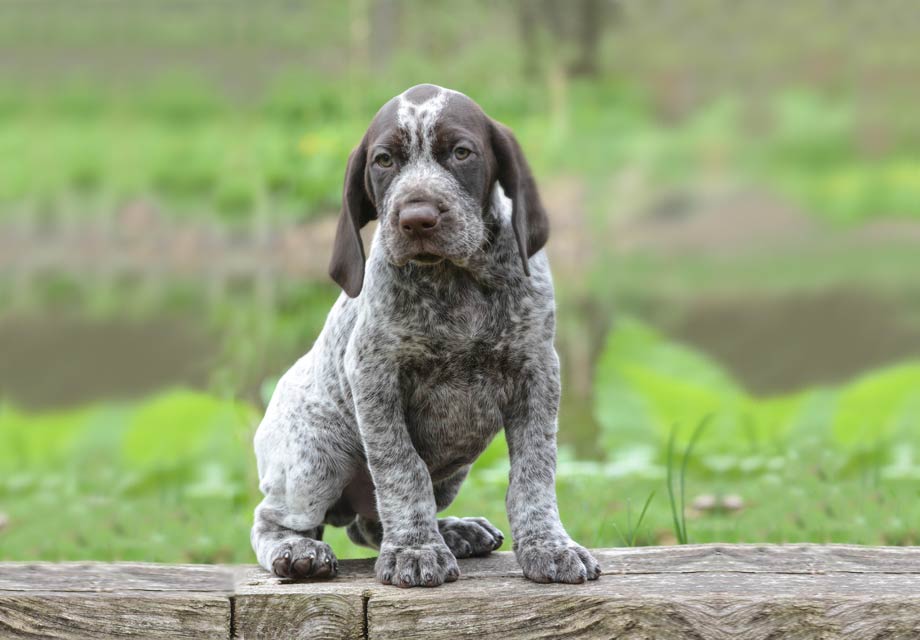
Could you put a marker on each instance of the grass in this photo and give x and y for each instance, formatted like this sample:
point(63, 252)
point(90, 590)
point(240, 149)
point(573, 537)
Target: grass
point(678, 502)
point(173, 479)
point(632, 531)
point(95, 509)
point(281, 157)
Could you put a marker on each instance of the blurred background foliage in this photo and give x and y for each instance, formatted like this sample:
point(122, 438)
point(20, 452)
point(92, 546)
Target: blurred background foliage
point(735, 199)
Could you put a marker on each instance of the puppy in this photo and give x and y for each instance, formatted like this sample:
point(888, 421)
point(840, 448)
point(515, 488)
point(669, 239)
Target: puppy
point(443, 338)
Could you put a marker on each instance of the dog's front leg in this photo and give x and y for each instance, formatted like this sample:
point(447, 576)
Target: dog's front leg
point(544, 550)
point(412, 552)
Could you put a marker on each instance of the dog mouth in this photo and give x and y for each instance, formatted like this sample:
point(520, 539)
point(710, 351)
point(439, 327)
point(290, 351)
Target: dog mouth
point(427, 259)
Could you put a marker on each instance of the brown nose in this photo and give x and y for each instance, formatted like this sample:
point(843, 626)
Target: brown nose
point(418, 220)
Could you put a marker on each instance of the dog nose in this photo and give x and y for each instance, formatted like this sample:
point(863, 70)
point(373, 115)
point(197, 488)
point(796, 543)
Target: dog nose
point(418, 220)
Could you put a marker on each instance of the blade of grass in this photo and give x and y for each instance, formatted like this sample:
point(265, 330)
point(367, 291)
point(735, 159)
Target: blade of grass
point(683, 474)
point(648, 501)
point(671, 497)
point(629, 526)
point(623, 538)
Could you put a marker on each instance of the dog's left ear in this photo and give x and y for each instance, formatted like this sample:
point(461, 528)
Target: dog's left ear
point(528, 217)
point(347, 264)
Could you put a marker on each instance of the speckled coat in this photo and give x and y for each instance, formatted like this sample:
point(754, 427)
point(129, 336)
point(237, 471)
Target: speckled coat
point(437, 343)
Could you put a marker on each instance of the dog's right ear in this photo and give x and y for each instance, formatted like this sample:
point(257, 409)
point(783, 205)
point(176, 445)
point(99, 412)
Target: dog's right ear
point(347, 264)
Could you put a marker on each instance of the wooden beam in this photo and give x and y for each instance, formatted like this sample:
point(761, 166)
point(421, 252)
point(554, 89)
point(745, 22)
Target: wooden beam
point(705, 592)
point(94, 600)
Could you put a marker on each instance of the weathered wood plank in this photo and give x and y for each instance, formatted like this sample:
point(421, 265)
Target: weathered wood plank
point(266, 607)
point(714, 606)
point(705, 592)
point(76, 600)
point(84, 616)
point(123, 576)
point(798, 558)
point(754, 558)
point(329, 615)
point(255, 577)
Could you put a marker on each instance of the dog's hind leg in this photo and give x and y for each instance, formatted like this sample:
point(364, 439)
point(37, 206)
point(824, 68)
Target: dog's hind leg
point(290, 553)
point(465, 537)
point(302, 475)
point(470, 537)
point(365, 532)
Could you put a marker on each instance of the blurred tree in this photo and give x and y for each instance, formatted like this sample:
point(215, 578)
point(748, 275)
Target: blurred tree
point(359, 32)
point(385, 18)
point(528, 25)
point(575, 29)
point(591, 17)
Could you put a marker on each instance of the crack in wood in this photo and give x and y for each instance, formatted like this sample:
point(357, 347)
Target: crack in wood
point(232, 633)
point(365, 600)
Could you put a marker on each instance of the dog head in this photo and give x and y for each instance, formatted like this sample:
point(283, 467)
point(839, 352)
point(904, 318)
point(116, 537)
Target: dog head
point(425, 169)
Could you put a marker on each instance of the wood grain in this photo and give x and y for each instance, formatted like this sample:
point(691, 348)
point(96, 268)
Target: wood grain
point(300, 616)
point(74, 616)
point(703, 592)
point(702, 606)
point(123, 576)
point(266, 607)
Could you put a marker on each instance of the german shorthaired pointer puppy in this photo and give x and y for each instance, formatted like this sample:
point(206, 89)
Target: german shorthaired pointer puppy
point(440, 340)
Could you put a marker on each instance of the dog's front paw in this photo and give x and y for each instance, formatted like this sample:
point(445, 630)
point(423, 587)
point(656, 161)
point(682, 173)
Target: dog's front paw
point(556, 560)
point(300, 558)
point(424, 565)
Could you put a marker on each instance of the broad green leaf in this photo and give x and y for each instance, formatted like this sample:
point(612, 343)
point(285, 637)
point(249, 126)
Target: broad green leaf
point(182, 424)
point(879, 406)
point(28, 440)
point(646, 384)
point(770, 420)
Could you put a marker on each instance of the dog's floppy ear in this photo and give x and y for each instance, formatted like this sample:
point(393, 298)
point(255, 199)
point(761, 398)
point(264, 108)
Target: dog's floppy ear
point(528, 217)
point(347, 264)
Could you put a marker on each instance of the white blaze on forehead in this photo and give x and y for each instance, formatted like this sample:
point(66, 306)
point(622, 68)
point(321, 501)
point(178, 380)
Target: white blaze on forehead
point(418, 121)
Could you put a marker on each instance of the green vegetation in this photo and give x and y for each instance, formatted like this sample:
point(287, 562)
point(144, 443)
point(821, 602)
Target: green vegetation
point(263, 135)
point(283, 157)
point(647, 386)
point(238, 118)
point(173, 478)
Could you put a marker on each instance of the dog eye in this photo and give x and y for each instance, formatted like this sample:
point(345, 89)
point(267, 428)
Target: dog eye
point(384, 160)
point(462, 153)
